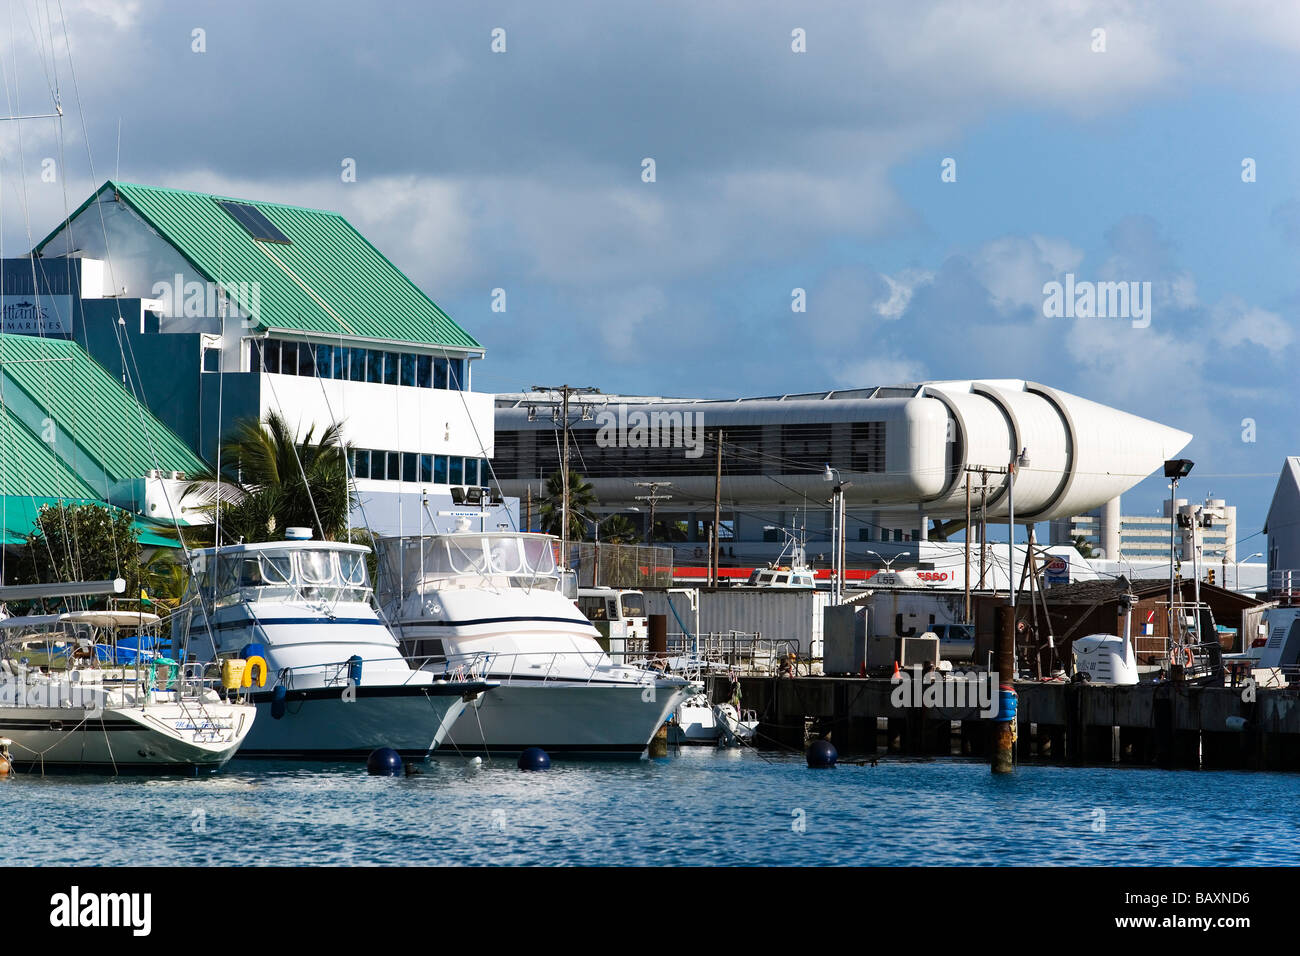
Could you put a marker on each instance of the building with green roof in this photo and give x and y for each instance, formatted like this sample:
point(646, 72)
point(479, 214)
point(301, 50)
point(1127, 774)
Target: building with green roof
point(212, 308)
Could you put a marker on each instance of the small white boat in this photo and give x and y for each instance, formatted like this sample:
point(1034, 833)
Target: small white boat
point(75, 696)
point(337, 685)
point(697, 721)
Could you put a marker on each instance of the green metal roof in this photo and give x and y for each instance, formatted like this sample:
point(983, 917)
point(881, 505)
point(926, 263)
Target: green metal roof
point(19, 515)
point(27, 467)
point(112, 436)
point(328, 279)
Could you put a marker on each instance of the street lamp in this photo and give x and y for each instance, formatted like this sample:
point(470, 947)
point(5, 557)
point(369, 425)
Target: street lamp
point(889, 563)
point(837, 531)
point(1236, 577)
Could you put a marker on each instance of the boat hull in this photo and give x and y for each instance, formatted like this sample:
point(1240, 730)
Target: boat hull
point(566, 719)
point(323, 724)
point(157, 739)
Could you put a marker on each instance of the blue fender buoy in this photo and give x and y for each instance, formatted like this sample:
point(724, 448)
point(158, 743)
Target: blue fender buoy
point(385, 762)
point(277, 702)
point(252, 650)
point(534, 758)
point(822, 753)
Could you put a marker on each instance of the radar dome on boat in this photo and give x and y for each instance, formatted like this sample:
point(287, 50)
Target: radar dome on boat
point(297, 534)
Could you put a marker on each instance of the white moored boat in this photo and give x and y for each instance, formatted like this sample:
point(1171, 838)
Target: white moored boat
point(74, 698)
point(491, 604)
point(337, 684)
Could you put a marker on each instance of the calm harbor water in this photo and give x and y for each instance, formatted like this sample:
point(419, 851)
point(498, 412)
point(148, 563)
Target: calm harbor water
point(698, 807)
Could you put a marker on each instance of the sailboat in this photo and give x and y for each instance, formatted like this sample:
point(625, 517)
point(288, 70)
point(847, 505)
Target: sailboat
point(89, 691)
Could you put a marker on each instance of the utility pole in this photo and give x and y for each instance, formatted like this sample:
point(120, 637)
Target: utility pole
point(966, 576)
point(566, 392)
point(654, 498)
point(717, 513)
point(984, 527)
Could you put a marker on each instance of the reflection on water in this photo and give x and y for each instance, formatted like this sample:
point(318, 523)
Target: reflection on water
point(699, 807)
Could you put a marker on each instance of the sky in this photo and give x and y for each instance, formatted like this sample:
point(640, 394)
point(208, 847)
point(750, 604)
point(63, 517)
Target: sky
point(920, 171)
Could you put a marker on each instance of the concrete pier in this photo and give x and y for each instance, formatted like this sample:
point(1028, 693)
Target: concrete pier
point(1170, 725)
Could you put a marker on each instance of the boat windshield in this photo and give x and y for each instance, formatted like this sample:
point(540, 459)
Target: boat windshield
point(633, 603)
point(515, 560)
point(312, 574)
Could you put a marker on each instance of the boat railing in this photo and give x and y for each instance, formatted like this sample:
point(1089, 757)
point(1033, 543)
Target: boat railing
point(342, 673)
point(528, 666)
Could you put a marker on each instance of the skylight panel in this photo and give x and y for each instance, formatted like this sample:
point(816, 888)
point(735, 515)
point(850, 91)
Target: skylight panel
point(254, 221)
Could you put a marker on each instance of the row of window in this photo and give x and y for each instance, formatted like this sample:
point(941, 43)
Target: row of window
point(409, 466)
point(358, 365)
point(747, 450)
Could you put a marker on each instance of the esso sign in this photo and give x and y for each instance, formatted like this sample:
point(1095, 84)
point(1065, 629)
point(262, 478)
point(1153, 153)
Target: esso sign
point(932, 575)
point(1056, 564)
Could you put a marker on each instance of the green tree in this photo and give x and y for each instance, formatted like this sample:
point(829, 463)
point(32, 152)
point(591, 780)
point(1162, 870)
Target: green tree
point(1082, 545)
point(618, 529)
point(261, 490)
point(582, 499)
point(82, 542)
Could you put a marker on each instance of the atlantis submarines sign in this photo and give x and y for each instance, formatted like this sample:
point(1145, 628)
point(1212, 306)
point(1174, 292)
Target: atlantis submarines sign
point(36, 315)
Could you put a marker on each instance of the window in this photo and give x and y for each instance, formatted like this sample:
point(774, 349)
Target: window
point(325, 361)
point(288, 358)
point(424, 371)
point(341, 362)
point(410, 467)
point(439, 373)
point(471, 471)
point(357, 366)
point(426, 468)
point(254, 221)
point(374, 366)
point(316, 567)
point(408, 370)
point(390, 368)
point(456, 371)
point(306, 359)
point(457, 476)
point(270, 355)
point(363, 463)
point(440, 469)
point(394, 466)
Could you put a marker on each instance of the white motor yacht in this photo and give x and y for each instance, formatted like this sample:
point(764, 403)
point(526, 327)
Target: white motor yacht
point(491, 604)
point(337, 684)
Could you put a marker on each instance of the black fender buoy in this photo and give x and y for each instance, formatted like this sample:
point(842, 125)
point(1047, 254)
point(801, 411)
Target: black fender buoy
point(385, 762)
point(822, 753)
point(277, 701)
point(534, 758)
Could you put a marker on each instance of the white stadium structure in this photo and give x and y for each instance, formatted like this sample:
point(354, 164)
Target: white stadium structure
point(904, 452)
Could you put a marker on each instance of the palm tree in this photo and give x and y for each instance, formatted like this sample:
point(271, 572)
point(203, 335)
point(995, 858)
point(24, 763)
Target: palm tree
point(581, 500)
point(619, 529)
point(262, 490)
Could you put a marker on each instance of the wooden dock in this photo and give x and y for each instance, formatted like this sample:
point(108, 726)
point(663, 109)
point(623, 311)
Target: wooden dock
point(1171, 725)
